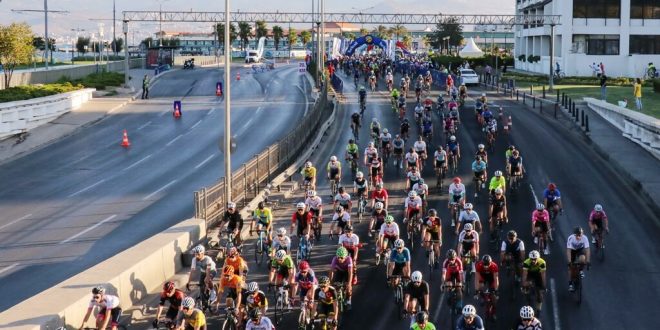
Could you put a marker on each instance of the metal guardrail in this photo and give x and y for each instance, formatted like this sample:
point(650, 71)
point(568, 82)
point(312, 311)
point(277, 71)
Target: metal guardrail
point(255, 174)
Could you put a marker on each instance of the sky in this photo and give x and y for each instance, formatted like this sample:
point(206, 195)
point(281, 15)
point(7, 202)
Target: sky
point(79, 12)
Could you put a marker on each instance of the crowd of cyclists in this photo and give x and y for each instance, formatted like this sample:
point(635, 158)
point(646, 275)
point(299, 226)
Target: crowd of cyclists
point(463, 269)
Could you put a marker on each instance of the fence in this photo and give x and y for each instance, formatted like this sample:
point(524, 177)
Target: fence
point(439, 78)
point(210, 201)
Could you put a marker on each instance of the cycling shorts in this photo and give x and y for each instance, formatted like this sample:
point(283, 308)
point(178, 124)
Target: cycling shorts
point(341, 276)
point(440, 163)
point(398, 269)
point(114, 315)
point(398, 151)
point(435, 236)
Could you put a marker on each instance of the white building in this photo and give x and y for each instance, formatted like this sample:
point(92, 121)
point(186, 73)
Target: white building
point(622, 34)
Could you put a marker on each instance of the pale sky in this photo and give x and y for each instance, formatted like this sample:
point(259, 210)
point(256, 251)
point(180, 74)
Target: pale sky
point(80, 12)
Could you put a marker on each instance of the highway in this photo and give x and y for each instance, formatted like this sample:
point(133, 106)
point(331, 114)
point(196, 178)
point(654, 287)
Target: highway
point(618, 291)
point(84, 198)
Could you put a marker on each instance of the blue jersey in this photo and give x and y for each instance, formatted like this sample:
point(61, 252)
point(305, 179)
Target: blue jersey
point(477, 324)
point(400, 257)
point(427, 126)
point(488, 115)
point(551, 196)
point(363, 94)
point(478, 166)
point(452, 146)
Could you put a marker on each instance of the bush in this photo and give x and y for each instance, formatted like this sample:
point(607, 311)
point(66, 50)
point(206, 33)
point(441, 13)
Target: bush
point(90, 58)
point(474, 62)
point(97, 80)
point(27, 92)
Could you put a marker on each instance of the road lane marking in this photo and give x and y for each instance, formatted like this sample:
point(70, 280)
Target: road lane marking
point(536, 200)
point(555, 305)
point(163, 113)
point(8, 267)
point(145, 125)
point(85, 189)
point(246, 125)
point(159, 190)
point(210, 112)
point(174, 140)
point(88, 229)
point(136, 163)
point(197, 123)
point(438, 310)
point(200, 164)
point(15, 221)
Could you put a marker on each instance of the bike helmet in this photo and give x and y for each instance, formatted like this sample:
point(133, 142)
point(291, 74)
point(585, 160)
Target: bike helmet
point(231, 205)
point(486, 259)
point(228, 270)
point(481, 146)
point(98, 290)
point(405, 120)
point(515, 152)
point(342, 252)
point(188, 302)
point(477, 158)
point(468, 206)
point(412, 194)
point(399, 243)
point(385, 130)
point(348, 228)
point(416, 276)
point(339, 208)
point(371, 143)
point(452, 138)
point(498, 191)
point(333, 158)
point(378, 205)
point(468, 227)
point(433, 212)
point(512, 234)
point(379, 185)
point(483, 94)
point(300, 206)
point(526, 312)
point(552, 186)
point(311, 193)
point(361, 88)
point(420, 181)
point(168, 286)
point(540, 207)
point(359, 175)
point(340, 190)
point(255, 314)
point(308, 164)
point(598, 208)
point(281, 232)
point(421, 317)
point(469, 311)
point(534, 254)
point(261, 205)
point(304, 265)
point(280, 255)
point(351, 141)
point(498, 173)
point(374, 119)
point(233, 251)
point(389, 219)
point(198, 249)
point(457, 180)
point(324, 281)
point(253, 287)
point(451, 253)
point(577, 230)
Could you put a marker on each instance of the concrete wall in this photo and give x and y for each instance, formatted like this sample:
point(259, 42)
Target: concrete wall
point(55, 73)
point(129, 275)
point(199, 60)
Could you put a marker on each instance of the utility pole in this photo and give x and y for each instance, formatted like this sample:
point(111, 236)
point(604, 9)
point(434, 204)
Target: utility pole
point(114, 34)
point(45, 11)
point(227, 94)
point(126, 66)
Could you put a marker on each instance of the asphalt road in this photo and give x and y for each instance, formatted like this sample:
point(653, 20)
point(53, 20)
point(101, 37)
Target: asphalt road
point(618, 292)
point(84, 198)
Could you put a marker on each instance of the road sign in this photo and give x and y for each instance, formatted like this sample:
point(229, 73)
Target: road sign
point(302, 67)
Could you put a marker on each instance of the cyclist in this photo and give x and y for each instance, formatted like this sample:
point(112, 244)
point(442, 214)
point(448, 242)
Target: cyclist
point(470, 319)
point(413, 178)
point(403, 86)
point(552, 198)
point(577, 253)
point(497, 181)
point(352, 151)
point(259, 322)
point(379, 195)
point(452, 274)
point(325, 302)
point(515, 165)
point(253, 298)
point(498, 211)
point(487, 114)
point(422, 322)
point(399, 263)
point(377, 218)
point(175, 297)
point(389, 79)
point(479, 168)
point(432, 233)
point(370, 152)
point(454, 149)
point(282, 272)
point(598, 221)
point(341, 219)
point(356, 122)
point(527, 320)
point(533, 274)
point(422, 190)
point(385, 139)
point(351, 242)
point(457, 193)
point(468, 242)
point(303, 219)
point(341, 271)
point(483, 98)
point(309, 175)
point(487, 277)
point(234, 222)
point(450, 83)
point(235, 260)
point(343, 199)
point(334, 170)
point(263, 218)
point(541, 224)
point(360, 186)
point(462, 91)
point(376, 170)
point(363, 96)
point(468, 216)
point(281, 242)
point(373, 82)
point(109, 310)
point(206, 267)
point(315, 207)
point(420, 149)
point(412, 158)
point(412, 206)
point(440, 157)
point(190, 317)
point(416, 294)
point(404, 128)
point(513, 252)
point(306, 282)
point(401, 103)
point(234, 284)
point(398, 145)
point(419, 111)
point(481, 151)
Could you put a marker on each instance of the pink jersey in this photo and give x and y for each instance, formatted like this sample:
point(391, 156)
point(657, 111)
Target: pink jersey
point(542, 216)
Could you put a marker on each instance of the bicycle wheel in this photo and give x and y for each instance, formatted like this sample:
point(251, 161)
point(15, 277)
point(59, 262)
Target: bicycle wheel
point(229, 324)
point(411, 236)
point(431, 261)
point(279, 311)
point(258, 252)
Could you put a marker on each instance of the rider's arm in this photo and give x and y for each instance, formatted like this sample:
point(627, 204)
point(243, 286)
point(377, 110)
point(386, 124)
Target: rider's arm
point(89, 312)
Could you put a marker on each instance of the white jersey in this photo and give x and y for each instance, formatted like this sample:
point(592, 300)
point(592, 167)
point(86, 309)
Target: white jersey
point(371, 152)
point(264, 324)
point(412, 157)
point(346, 241)
point(343, 199)
point(385, 137)
point(389, 77)
point(415, 202)
point(420, 146)
point(281, 243)
point(391, 230)
point(462, 239)
point(206, 262)
point(419, 108)
point(345, 217)
point(576, 244)
point(466, 217)
point(440, 156)
point(456, 189)
point(314, 203)
point(421, 189)
point(413, 176)
point(492, 125)
point(108, 301)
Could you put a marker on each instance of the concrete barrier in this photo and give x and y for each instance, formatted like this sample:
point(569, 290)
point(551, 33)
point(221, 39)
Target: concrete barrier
point(638, 127)
point(130, 275)
point(199, 60)
point(19, 116)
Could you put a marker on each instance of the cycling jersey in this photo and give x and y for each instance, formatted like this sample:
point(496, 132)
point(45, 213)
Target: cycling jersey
point(286, 264)
point(309, 172)
point(452, 267)
point(415, 202)
point(397, 143)
point(468, 239)
point(540, 216)
point(597, 216)
point(427, 326)
point(487, 270)
point(263, 324)
point(175, 300)
point(371, 152)
point(205, 263)
point(412, 157)
point(325, 297)
point(477, 324)
point(306, 281)
point(535, 324)
point(391, 230)
point(344, 219)
point(237, 262)
point(345, 265)
point(452, 147)
point(479, 166)
point(281, 243)
point(265, 216)
point(194, 319)
point(333, 167)
point(516, 163)
point(379, 195)
point(497, 182)
point(420, 146)
point(417, 291)
point(574, 243)
point(536, 268)
point(356, 118)
point(468, 217)
point(420, 189)
point(440, 155)
point(302, 219)
point(487, 115)
point(363, 94)
point(385, 137)
point(400, 257)
point(108, 302)
point(235, 282)
point(513, 247)
point(457, 189)
point(433, 224)
point(498, 203)
point(551, 196)
point(349, 242)
point(361, 185)
point(314, 203)
point(352, 148)
point(343, 199)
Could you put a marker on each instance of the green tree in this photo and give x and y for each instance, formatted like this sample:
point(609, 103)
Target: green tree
point(305, 37)
point(261, 29)
point(407, 40)
point(147, 42)
point(451, 28)
point(381, 32)
point(364, 31)
point(278, 33)
point(15, 47)
point(244, 32)
point(117, 45)
point(82, 44)
point(292, 37)
point(398, 30)
point(171, 42)
point(220, 32)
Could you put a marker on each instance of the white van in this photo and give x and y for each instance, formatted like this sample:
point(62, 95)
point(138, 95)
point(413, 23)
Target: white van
point(252, 57)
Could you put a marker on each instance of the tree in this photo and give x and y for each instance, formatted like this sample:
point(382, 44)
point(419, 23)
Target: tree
point(171, 42)
point(220, 32)
point(82, 44)
point(117, 45)
point(381, 31)
point(15, 47)
point(407, 41)
point(305, 37)
point(244, 32)
point(398, 30)
point(451, 28)
point(261, 29)
point(278, 33)
point(292, 37)
point(147, 42)
point(364, 31)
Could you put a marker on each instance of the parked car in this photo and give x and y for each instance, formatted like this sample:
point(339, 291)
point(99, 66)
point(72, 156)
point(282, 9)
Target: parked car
point(468, 77)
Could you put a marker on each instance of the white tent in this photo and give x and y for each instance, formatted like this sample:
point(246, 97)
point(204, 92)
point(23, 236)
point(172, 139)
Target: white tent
point(471, 50)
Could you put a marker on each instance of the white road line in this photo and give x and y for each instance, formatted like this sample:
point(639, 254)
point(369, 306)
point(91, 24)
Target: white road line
point(88, 188)
point(436, 315)
point(136, 163)
point(144, 125)
point(197, 123)
point(200, 164)
point(536, 200)
point(555, 305)
point(163, 113)
point(8, 267)
point(88, 229)
point(15, 221)
point(246, 125)
point(159, 190)
point(211, 111)
point(174, 140)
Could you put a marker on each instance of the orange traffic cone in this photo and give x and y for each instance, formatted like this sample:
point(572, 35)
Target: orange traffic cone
point(218, 92)
point(238, 76)
point(177, 113)
point(124, 141)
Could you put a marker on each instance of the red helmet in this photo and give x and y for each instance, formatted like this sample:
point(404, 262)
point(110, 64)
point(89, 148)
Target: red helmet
point(552, 186)
point(457, 180)
point(304, 265)
point(168, 286)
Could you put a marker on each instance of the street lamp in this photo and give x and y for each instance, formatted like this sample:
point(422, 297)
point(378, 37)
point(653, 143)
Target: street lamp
point(126, 66)
point(160, 22)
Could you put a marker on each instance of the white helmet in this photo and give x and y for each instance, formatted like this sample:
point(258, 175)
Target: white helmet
point(188, 302)
point(359, 175)
point(498, 191)
point(311, 193)
point(481, 146)
point(540, 207)
point(468, 227)
point(231, 205)
point(399, 243)
point(253, 287)
point(412, 194)
point(281, 232)
point(280, 255)
point(598, 208)
point(526, 312)
point(452, 138)
point(483, 94)
point(374, 119)
point(371, 144)
point(498, 173)
point(198, 249)
point(379, 205)
point(468, 206)
point(416, 276)
point(385, 130)
point(308, 164)
point(333, 158)
point(534, 254)
point(300, 205)
point(469, 310)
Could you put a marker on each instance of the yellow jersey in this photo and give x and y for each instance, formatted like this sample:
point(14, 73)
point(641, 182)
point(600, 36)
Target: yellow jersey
point(195, 319)
point(534, 268)
point(309, 173)
point(497, 183)
point(265, 216)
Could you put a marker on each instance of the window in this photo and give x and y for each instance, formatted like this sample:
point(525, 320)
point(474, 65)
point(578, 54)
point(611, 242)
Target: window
point(644, 9)
point(598, 44)
point(597, 8)
point(640, 44)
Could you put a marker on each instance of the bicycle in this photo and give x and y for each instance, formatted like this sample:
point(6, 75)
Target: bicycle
point(317, 226)
point(304, 249)
point(362, 205)
point(386, 154)
point(333, 186)
point(512, 274)
point(165, 324)
point(356, 130)
point(231, 321)
point(412, 229)
point(440, 173)
point(352, 161)
point(599, 247)
point(468, 270)
point(281, 300)
point(559, 74)
point(490, 140)
point(496, 234)
point(455, 304)
point(455, 212)
point(305, 316)
point(398, 294)
point(204, 299)
point(383, 256)
point(490, 308)
point(478, 181)
point(260, 247)
point(577, 275)
point(432, 260)
point(453, 164)
point(542, 239)
point(534, 296)
point(341, 296)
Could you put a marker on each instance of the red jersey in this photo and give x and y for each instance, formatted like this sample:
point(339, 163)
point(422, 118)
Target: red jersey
point(452, 268)
point(379, 195)
point(306, 217)
point(483, 270)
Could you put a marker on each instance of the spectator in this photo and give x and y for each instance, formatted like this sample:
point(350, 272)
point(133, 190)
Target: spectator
point(603, 87)
point(601, 66)
point(637, 91)
point(145, 87)
point(623, 103)
point(557, 69)
point(594, 69)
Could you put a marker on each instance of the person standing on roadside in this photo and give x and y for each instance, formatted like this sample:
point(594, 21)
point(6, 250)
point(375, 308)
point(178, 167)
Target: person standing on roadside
point(145, 87)
point(603, 87)
point(637, 91)
point(602, 68)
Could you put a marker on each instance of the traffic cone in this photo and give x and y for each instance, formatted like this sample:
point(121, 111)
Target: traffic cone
point(218, 92)
point(238, 76)
point(124, 141)
point(177, 113)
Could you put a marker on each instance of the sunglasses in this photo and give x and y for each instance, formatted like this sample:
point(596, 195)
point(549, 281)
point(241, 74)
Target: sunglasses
point(97, 297)
point(186, 308)
point(527, 320)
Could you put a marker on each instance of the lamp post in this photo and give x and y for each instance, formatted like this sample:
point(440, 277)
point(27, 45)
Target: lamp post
point(227, 94)
point(126, 66)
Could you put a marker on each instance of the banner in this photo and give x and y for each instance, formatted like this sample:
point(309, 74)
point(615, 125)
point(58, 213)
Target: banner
point(369, 40)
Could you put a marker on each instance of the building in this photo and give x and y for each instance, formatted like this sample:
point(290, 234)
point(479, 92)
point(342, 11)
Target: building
point(622, 34)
